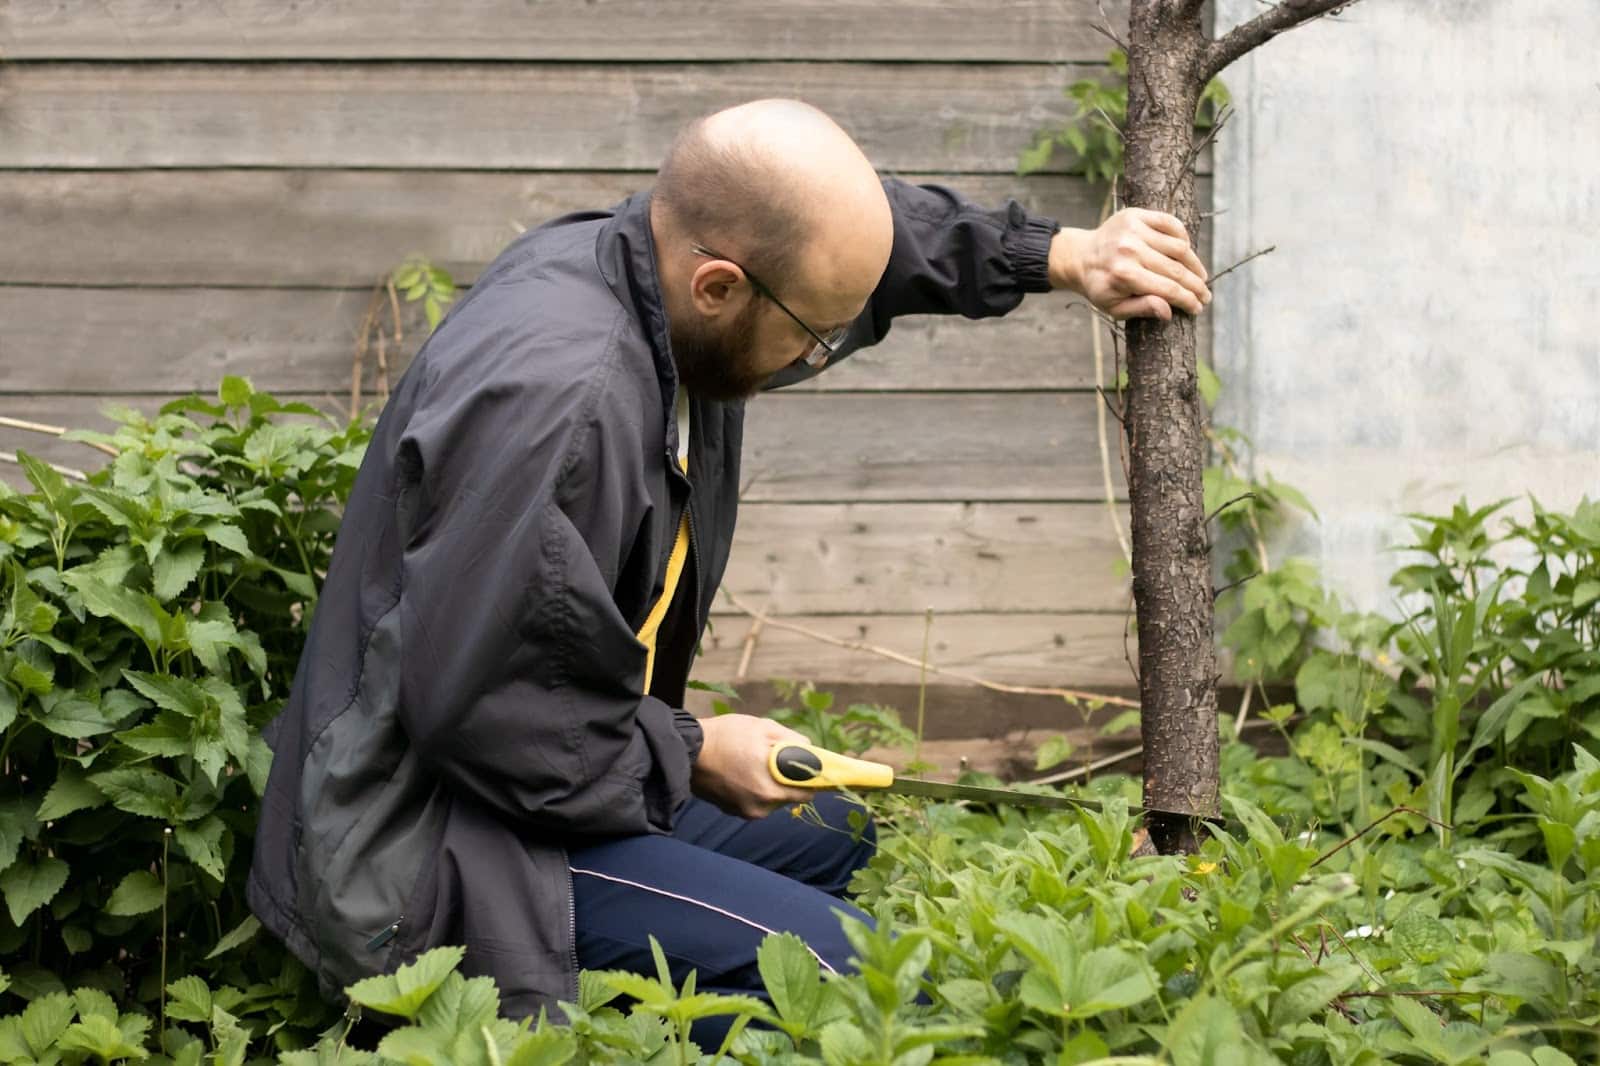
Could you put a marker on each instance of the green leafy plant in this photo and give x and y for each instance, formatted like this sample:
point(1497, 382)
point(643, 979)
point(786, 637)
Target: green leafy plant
point(152, 620)
point(1094, 131)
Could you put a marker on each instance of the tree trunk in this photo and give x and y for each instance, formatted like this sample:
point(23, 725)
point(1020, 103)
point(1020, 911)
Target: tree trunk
point(1165, 422)
point(1170, 60)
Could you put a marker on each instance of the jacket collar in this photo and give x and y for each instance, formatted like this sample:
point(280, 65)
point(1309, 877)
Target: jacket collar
point(626, 254)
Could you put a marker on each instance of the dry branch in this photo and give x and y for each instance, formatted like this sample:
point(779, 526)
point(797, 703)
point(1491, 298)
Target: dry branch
point(53, 431)
point(1258, 31)
point(1075, 695)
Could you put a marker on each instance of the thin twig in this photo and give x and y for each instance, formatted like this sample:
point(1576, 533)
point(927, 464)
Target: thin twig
point(1345, 843)
point(363, 341)
point(1100, 419)
point(53, 431)
point(1346, 945)
point(1101, 764)
point(1127, 625)
point(1106, 30)
point(749, 651)
point(1281, 18)
point(1212, 281)
point(1233, 585)
point(64, 471)
point(1223, 507)
point(1194, 154)
point(908, 660)
point(1090, 767)
point(922, 685)
point(1419, 994)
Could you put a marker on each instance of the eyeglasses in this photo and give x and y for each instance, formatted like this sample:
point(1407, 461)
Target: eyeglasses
point(825, 346)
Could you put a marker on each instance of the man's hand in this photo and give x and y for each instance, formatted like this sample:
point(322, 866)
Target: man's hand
point(1137, 264)
point(732, 768)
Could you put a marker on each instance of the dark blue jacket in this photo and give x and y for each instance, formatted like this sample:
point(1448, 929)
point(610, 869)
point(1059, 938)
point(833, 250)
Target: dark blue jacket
point(471, 694)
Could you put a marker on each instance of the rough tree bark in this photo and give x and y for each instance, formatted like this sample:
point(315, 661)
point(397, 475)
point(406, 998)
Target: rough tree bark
point(1170, 60)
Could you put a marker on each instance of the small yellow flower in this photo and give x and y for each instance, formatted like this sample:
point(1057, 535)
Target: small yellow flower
point(1205, 868)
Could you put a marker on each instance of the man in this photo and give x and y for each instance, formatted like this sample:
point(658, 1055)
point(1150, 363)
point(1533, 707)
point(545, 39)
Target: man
point(485, 743)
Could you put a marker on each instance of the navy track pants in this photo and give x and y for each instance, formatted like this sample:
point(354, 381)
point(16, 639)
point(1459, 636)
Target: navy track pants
point(713, 890)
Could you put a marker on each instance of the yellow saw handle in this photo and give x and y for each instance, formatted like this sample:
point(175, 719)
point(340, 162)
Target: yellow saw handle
point(807, 766)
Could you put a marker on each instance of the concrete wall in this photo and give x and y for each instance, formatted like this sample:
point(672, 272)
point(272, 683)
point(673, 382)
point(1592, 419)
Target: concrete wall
point(1428, 327)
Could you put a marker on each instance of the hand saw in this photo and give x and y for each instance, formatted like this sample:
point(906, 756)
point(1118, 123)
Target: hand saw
point(805, 766)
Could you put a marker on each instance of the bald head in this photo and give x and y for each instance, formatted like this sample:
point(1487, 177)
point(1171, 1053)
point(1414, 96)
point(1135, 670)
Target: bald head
point(778, 182)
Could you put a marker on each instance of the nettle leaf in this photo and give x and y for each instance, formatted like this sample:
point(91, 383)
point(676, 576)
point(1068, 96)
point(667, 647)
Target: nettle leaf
point(71, 792)
point(177, 694)
point(793, 979)
point(30, 884)
point(1423, 937)
point(138, 893)
point(226, 536)
point(168, 734)
point(173, 569)
point(17, 823)
point(139, 790)
point(404, 992)
point(1053, 752)
point(105, 600)
point(73, 716)
point(8, 706)
point(203, 842)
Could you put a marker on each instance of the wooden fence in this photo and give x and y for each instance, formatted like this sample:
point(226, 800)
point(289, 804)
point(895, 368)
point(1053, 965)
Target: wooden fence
point(192, 189)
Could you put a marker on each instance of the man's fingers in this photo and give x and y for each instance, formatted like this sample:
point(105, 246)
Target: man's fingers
point(1173, 269)
point(1181, 250)
point(1142, 307)
point(1161, 222)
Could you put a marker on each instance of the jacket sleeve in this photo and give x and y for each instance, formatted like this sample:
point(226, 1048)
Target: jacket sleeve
point(952, 256)
point(521, 681)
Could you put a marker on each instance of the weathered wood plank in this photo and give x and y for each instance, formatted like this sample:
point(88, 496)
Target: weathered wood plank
point(337, 228)
point(303, 340)
point(867, 558)
point(1066, 650)
point(921, 30)
point(565, 116)
point(930, 446)
point(819, 447)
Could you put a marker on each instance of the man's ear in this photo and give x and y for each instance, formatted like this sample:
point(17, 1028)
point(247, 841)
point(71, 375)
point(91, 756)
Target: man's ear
point(715, 288)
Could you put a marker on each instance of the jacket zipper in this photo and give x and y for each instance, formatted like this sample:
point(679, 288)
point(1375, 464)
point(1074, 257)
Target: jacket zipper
point(385, 935)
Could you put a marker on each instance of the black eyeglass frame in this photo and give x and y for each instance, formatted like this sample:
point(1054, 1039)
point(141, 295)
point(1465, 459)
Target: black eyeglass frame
point(827, 346)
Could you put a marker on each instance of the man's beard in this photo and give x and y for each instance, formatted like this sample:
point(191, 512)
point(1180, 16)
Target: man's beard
point(719, 366)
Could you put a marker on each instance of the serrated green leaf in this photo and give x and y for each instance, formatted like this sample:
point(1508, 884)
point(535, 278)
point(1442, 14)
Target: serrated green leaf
point(119, 604)
point(1424, 938)
point(173, 569)
point(168, 734)
point(139, 790)
point(99, 1036)
point(793, 980)
point(45, 1019)
point(235, 391)
point(189, 999)
point(177, 694)
point(139, 892)
point(1053, 752)
point(238, 936)
point(203, 842)
point(31, 883)
point(404, 992)
point(72, 791)
point(93, 1002)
